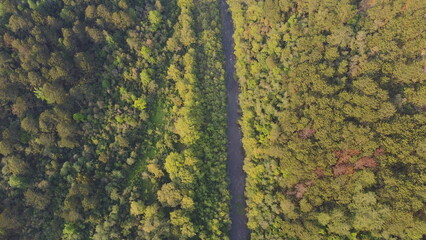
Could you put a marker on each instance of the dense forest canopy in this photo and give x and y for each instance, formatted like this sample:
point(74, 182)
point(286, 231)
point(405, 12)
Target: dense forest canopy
point(113, 119)
point(110, 126)
point(334, 117)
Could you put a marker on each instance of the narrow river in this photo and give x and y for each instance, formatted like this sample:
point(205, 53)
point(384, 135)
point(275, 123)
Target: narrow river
point(239, 230)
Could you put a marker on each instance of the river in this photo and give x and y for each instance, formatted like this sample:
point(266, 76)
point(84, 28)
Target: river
point(239, 230)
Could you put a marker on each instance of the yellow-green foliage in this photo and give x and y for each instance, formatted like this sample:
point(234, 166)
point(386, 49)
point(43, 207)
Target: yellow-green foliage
point(333, 117)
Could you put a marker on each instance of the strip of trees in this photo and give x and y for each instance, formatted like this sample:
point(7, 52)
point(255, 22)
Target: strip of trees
point(334, 117)
point(112, 120)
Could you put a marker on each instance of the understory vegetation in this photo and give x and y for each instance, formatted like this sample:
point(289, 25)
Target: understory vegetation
point(334, 117)
point(112, 120)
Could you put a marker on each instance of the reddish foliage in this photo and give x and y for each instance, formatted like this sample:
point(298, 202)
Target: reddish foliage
point(365, 162)
point(338, 153)
point(309, 183)
point(342, 169)
point(291, 193)
point(366, 4)
point(405, 7)
point(307, 133)
point(379, 152)
point(301, 188)
point(320, 172)
point(345, 155)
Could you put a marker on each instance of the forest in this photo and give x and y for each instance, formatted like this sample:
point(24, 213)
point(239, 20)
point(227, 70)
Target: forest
point(112, 120)
point(333, 99)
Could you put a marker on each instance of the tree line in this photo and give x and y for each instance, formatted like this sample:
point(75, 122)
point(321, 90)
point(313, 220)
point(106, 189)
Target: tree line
point(333, 117)
point(110, 129)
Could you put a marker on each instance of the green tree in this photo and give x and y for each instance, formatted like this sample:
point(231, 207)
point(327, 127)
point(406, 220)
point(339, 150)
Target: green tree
point(36, 200)
point(16, 165)
point(155, 19)
point(137, 208)
point(169, 195)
